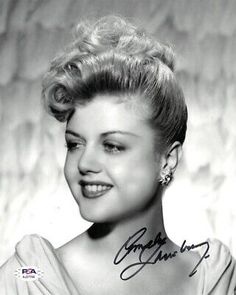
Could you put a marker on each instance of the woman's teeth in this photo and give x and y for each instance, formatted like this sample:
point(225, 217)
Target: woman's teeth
point(96, 188)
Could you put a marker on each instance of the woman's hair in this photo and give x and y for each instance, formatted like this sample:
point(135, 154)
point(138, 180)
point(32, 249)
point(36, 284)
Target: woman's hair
point(112, 56)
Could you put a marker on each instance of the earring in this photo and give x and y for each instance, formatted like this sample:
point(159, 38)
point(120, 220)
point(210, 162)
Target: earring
point(165, 179)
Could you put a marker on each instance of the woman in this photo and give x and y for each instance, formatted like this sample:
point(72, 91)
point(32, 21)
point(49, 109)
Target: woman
point(126, 121)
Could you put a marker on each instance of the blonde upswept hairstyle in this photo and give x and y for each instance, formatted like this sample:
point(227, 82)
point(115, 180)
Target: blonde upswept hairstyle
point(112, 56)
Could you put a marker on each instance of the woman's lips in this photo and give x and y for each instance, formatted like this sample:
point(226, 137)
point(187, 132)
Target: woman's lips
point(93, 194)
point(94, 189)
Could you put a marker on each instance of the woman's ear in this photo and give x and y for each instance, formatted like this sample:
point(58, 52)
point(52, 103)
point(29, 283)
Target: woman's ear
point(171, 157)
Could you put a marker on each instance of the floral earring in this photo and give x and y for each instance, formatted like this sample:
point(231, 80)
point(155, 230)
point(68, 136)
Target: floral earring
point(166, 178)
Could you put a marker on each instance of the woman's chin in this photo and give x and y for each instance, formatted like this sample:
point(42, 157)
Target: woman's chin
point(99, 216)
point(94, 217)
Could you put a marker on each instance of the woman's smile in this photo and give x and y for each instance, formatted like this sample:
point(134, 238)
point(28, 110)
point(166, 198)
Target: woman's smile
point(112, 166)
point(94, 189)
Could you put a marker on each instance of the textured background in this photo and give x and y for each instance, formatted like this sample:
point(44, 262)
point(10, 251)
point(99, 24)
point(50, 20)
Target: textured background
point(33, 194)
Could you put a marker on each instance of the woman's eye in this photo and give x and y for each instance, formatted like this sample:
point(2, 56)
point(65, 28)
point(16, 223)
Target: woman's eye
point(73, 145)
point(113, 148)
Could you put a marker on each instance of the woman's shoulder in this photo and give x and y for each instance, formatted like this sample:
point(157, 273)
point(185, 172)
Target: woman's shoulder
point(32, 240)
point(29, 251)
point(218, 269)
point(28, 243)
point(35, 254)
point(73, 250)
point(219, 255)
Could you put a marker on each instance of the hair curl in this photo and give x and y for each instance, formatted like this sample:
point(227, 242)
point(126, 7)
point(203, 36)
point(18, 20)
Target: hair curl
point(113, 56)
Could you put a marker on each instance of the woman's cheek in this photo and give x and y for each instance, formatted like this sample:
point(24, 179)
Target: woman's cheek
point(120, 172)
point(69, 170)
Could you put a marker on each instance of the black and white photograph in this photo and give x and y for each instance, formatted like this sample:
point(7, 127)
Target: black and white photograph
point(118, 147)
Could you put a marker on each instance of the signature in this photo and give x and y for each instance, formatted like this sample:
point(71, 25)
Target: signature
point(157, 254)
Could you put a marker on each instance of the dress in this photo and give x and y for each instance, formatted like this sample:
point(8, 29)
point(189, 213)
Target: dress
point(217, 274)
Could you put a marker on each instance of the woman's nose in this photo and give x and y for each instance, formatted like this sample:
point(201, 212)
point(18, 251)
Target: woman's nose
point(89, 162)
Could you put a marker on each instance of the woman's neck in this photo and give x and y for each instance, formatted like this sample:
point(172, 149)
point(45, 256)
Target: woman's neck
point(112, 235)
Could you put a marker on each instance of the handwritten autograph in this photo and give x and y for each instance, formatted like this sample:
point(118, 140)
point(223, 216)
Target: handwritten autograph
point(157, 255)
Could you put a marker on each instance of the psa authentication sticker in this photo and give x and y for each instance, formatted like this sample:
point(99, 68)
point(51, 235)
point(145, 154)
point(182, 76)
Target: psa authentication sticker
point(28, 273)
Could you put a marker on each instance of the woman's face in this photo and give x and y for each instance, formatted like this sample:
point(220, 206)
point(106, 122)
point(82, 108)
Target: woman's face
point(111, 167)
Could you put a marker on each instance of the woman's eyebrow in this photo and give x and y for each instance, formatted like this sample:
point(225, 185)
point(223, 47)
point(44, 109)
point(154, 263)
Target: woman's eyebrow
point(104, 134)
point(68, 131)
point(119, 132)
